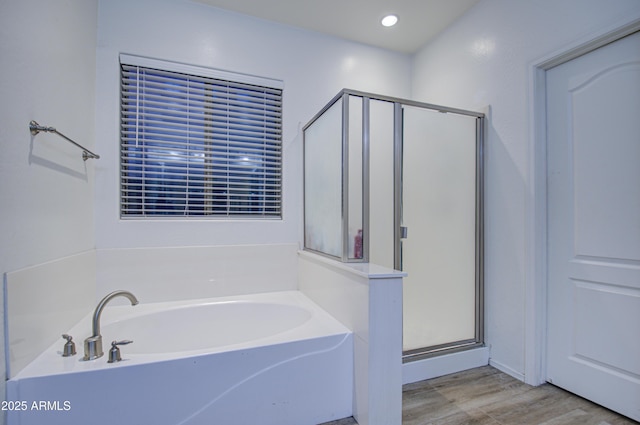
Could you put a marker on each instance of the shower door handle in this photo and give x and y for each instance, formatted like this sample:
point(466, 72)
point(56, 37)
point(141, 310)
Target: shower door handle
point(403, 232)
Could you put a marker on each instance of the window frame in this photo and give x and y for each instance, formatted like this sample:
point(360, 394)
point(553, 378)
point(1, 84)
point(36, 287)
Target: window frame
point(270, 199)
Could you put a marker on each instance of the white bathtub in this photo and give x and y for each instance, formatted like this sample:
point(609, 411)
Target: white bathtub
point(274, 358)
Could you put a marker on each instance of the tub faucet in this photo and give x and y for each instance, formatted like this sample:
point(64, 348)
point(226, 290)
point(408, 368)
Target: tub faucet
point(93, 344)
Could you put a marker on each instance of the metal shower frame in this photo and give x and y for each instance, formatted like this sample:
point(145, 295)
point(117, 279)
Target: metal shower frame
point(398, 103)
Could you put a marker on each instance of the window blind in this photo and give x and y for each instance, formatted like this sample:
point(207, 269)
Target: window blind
point(196, 146)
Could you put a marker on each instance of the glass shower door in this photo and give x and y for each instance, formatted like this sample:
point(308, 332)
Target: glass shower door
point(439, 253)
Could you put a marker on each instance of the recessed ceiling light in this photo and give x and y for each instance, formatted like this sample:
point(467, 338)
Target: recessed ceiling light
point(389, 20)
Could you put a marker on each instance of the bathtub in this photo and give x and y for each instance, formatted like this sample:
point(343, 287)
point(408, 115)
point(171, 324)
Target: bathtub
point(273, 358)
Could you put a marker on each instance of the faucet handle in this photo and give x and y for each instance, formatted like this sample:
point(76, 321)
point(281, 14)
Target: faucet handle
point(69, 346)
point(114, 352)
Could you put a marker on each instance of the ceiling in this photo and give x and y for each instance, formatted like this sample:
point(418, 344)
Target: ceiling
point(359, 20)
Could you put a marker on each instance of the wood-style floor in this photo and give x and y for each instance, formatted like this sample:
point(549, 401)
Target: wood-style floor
point(486, 396)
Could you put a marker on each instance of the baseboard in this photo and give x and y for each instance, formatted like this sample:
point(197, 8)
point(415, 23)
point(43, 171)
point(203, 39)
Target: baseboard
point(433, 367)
point(506, 369)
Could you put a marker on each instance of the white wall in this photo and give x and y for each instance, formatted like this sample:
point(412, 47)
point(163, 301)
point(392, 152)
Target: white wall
point(485, 59)
point(313, 67)
point(47, 74)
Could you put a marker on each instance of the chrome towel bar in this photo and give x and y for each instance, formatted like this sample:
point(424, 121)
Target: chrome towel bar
point(37, 128)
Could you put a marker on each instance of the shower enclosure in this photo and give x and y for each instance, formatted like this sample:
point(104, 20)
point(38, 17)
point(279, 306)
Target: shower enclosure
point(399, 183)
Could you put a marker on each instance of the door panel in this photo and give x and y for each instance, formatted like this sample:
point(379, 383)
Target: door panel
point(603, 115)
point(593, 178)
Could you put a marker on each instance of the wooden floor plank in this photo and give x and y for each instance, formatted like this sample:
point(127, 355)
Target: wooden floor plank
point(486, 396)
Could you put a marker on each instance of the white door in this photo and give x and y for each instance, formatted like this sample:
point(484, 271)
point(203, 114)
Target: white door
point(593, 178)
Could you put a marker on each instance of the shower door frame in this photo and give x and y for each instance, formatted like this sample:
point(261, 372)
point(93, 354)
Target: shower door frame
point(425, 352)
point(478, 339)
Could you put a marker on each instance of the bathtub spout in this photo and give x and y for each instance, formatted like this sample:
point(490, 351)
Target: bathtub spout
point(93, 344)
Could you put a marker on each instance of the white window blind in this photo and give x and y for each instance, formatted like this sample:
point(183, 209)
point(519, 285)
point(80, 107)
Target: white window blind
point(198, 146)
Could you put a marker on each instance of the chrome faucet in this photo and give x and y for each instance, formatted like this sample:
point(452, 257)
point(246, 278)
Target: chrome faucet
point(93, 344)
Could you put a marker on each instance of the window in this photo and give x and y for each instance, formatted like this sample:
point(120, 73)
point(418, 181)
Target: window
point(197, 142)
